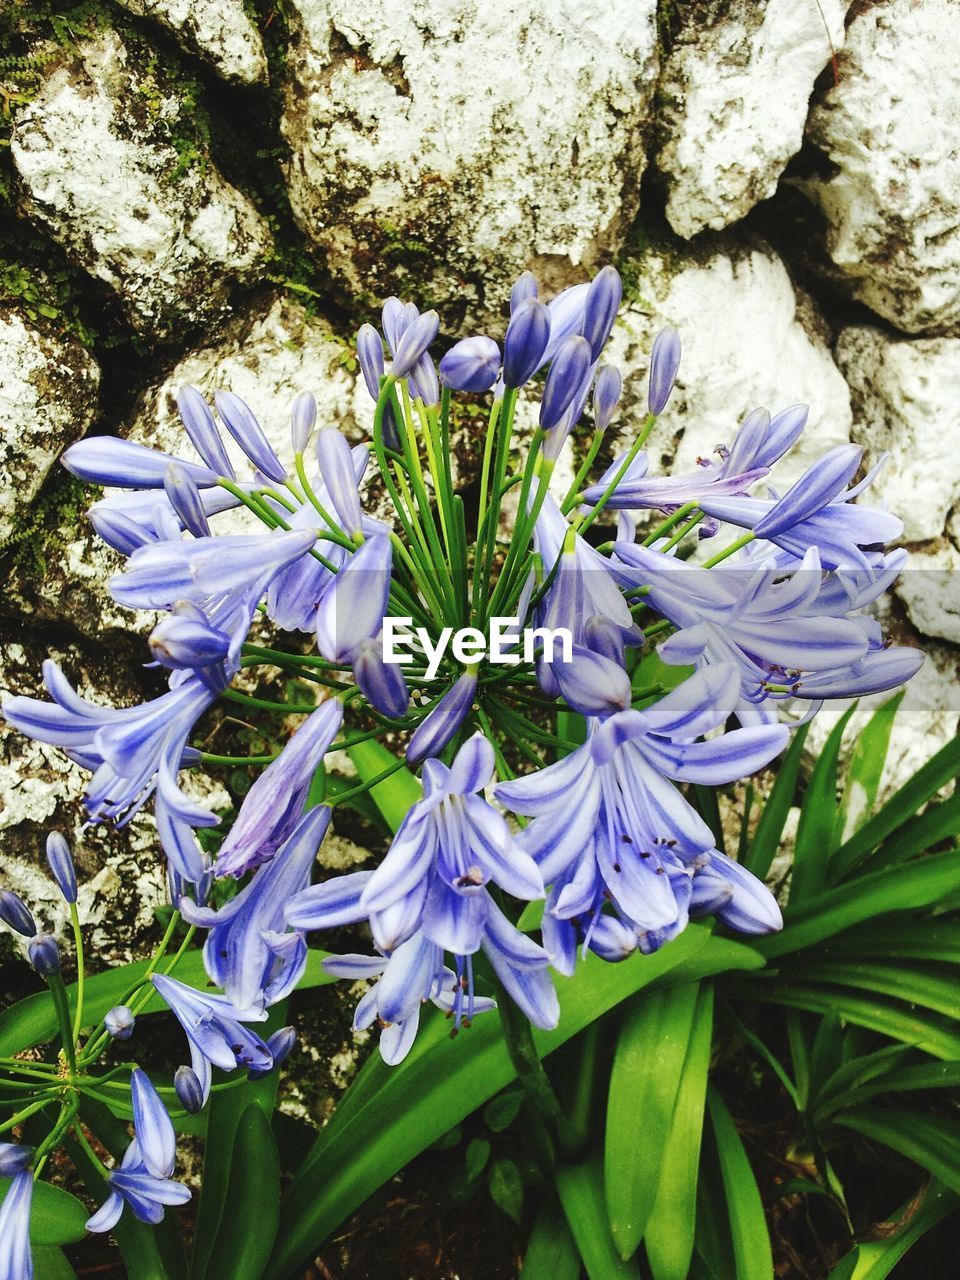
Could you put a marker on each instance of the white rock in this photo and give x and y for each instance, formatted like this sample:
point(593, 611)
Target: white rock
point(219, 31)
point(443, 148)
point(905, 396)
point(748, 340)
point(930, 589)
point(99, 169)
point(48, 396)
point(890, 129)
point(266, 358)
point(735, 94)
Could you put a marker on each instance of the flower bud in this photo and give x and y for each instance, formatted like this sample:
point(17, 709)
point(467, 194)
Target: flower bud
point(14, 1158)
point(280, 1045)
point(61, 865)
point(118, 530)
point(186, 1082)
point(471, 365)
point(239, 420)
point(302, 421)
point(444, 720)
point(182, 643)
point(14, 913)
point(353, 606)
point(424, 384)
point(154, 1128)
point(664, 362)
point(606, 395)
point(525, 287)
point(44, 955)
point(119, 1022)
point(570, 367)
point(370, 356)
point(593, 684)
point(335, 461)
point(199, 424)
point(600, 309)
point(603, 636)
point(819, 485)
point(396, 316)
point(525, 343)
point(382, 682)
point(414, 341)
point(185, 499)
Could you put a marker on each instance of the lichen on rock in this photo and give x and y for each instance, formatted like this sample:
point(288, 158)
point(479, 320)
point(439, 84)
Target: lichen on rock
point(219, 31)
point(48, 398)
point(99, 166)
point(734, 95)
point(441, 150)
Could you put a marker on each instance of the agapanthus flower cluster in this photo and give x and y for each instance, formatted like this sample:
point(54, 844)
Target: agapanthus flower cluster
point(550, 771)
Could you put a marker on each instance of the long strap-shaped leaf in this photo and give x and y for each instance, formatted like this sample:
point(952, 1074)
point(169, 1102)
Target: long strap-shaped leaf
point(748, 1227)
point(931, 1141)
point(248, 1225)
point(580, 1187)
point(818, 819)
point(441, 1082)
point(766, 839)
point(877, 1259)
point(670, 1232)
point(651, 1047)
point(551, 1252)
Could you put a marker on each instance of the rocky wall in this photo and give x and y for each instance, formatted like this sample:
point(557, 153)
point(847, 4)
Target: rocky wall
point(219, 191)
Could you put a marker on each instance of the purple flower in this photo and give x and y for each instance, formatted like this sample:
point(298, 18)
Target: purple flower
point(200, 425)
point(189, 1090)
point(14, 913)
point(185, 640)
point(600, 309)
point(818, 511)
point(524, 287)
point(44, 955)
point(248, 951)
point(664, 363)
point(370, 356)
point(215, 1030)
point(273, 805)
point(413, 974)
point(353, 607)
point(335, 461)
point(134, 1186)
point(16, 1259)
point(119, 1022)
point(238, 418)
point(412, 342)
point(609, 815)
point(154, 1129)
point(60, 862)
point(121, 463)
point(302, 421)
point(526, 341)
point(606, 395)
point(382, 682)
point(449, 847)
point(566, 318)
point(184, 497)
point(443, 721)
point(14, 1158)
point(568, 371)
point(471, 365)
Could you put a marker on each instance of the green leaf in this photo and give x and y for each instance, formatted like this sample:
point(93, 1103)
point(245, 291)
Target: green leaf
point(748, 1226)
point(551, 1252)
point(670, 1231)
point(501, 1111)
point(915, 792)
point(877, 1259)
point(506, 1187)
point(476, 1157)
point(818, 817)
point(395, 796)
point(865, 770)
point(251, 1211)
point(50, 1263)
point(919, 884)
point(390, 1115)
point(766, 839)
point(648, 1060)
point(580, 1188)
point(938, 822)
point(930, 1141)
point(913, 939)
point(33, 1021)
point(226, 1115)
point(56, 1217)
point(924, 987)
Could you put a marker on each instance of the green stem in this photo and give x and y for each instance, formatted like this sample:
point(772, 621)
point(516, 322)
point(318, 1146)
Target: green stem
point(62, 1006)
point(729, 551)
point(78, 943)
point(25, 1114)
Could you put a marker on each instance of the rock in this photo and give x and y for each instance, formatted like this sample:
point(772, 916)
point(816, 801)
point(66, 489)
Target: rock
point(930, 590)
point(48, 396)
point(905, 395)
point(218, 31)
point(267, 356)
point(890, 131)
point(440, 150)
point(108, 164)
point(735, 91)
point(749, 338)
